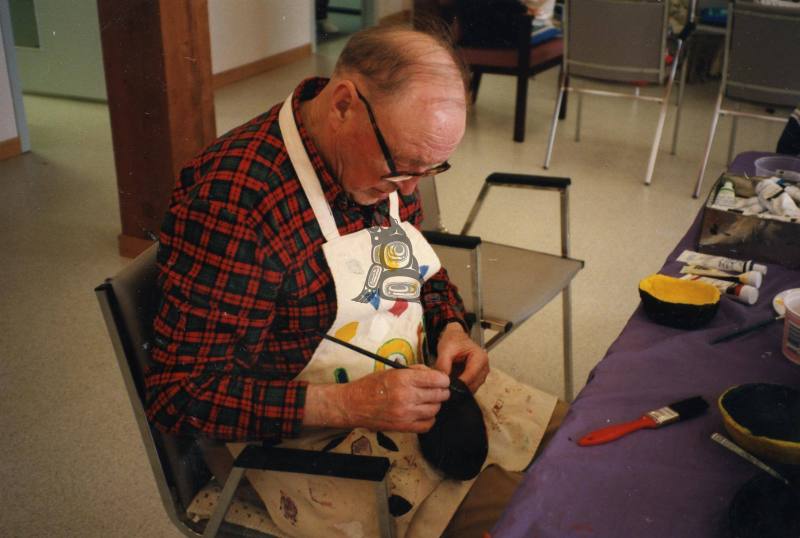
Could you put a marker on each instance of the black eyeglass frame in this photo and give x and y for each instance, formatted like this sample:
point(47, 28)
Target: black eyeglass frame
point(394, 174)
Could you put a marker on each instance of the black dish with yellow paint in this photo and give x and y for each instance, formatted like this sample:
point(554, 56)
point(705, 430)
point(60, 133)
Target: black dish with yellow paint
point(684, 304)
point(764, 419)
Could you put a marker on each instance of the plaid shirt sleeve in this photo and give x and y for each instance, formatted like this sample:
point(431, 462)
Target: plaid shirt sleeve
point(219, 284)
point(215, 371)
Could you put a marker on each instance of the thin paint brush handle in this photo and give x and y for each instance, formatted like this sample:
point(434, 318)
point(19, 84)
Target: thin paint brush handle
point(615, 431)
point(739, 451)
point(745, 330)
point(453, 385)
point(363, 351)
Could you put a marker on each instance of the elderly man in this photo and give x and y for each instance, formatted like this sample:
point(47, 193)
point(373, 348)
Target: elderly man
point(300, 223)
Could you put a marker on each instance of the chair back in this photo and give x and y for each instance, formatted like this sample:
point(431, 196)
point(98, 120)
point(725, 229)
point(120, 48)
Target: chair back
point(491, 25)
point(619, 40)
point(762, 54)
point(431, 214)
point(128, 302)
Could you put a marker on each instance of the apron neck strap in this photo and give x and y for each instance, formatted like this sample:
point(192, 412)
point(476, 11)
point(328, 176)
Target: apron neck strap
point(308, 176)
point(305, 171)
point(394, 206)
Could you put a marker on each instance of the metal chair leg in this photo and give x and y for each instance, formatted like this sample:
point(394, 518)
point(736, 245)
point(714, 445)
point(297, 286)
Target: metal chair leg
point(709, 142)
point(520, 109)
point(552, 138)
point(224, 501)
point(651, 164)
point(682, 86)
point(385, 520)
point(578, 118)
point(566, 301)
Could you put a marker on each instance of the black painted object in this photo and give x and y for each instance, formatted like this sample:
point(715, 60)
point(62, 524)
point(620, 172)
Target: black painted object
point(457, 443)
point(765, 508)
point(766, 410)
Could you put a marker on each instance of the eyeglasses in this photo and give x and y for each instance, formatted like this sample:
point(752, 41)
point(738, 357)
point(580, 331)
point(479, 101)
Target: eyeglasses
point(395, 175)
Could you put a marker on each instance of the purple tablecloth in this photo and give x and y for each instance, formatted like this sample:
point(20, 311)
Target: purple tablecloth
point(673, 481)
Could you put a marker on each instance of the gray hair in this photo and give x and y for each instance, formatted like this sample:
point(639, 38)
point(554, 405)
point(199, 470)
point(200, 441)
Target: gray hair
point(388, 56)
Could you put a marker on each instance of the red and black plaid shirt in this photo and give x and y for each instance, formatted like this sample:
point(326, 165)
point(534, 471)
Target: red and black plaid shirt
point(246, 287)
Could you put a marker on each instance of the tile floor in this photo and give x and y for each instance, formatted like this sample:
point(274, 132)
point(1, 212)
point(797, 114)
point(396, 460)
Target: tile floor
point(73, 464)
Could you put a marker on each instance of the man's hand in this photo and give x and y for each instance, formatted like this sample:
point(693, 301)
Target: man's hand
point(400, 400)
point(457, 348)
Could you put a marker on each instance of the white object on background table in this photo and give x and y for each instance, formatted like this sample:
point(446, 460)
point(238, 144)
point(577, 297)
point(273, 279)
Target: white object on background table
point(790, 344)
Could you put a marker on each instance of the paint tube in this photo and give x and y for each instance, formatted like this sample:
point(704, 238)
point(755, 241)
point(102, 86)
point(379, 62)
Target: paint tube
point(726, 196)
point(691, 257)
point(753, 278)
point(738, 292)
point(772, 195)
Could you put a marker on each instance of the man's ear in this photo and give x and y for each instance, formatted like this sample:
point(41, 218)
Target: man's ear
point(343, 101)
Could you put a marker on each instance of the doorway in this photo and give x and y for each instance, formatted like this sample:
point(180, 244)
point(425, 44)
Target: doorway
point(337, 19)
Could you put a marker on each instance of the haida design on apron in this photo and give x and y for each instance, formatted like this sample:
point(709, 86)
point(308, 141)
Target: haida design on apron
point(378, 273)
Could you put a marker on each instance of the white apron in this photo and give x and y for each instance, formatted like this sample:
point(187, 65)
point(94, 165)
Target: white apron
point(378, 273)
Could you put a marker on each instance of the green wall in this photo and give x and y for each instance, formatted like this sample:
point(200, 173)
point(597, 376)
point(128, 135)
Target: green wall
point(69, 60)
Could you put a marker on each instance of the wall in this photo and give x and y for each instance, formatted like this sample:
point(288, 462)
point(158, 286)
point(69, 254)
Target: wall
point(246, 31)
point(8, 126)
point(384, 8)
point(69, 61)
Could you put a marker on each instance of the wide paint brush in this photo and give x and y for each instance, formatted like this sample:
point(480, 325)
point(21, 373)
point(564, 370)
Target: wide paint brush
point(456, 387)
point(683, 410)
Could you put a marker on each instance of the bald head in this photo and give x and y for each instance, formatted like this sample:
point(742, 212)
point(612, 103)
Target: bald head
point(390, 59)
point(414, 123)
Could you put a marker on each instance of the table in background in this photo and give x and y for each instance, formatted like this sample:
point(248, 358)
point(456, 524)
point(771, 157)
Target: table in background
point(673, 481)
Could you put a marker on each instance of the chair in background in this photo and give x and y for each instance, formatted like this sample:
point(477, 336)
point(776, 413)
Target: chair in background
point(182, 466)
point(503, 286)
point(495, 38)
point(617, 41)
point(762, 67)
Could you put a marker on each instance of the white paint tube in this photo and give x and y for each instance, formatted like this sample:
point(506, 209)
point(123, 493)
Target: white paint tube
point(738, 292)
point(691, 257)
point(752, 278)
point(772, 195)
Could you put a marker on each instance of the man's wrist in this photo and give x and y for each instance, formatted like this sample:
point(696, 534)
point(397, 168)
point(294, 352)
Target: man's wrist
point(324, 407)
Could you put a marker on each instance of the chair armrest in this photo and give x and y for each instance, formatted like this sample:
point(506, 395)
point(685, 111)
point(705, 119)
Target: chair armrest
point(451, 240)
point(370, 468)
point(528, 180)
point(292, 460)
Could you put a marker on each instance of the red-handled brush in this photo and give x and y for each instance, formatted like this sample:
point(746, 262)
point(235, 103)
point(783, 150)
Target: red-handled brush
point(683, 410)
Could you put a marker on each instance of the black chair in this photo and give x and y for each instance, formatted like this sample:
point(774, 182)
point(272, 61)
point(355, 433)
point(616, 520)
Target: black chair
point(182, 466)
point(495, 38)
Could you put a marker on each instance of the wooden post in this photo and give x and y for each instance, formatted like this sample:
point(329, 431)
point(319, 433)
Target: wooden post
point(157, 59)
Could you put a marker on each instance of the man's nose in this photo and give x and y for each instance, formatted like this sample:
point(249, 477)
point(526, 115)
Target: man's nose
point(407, 187)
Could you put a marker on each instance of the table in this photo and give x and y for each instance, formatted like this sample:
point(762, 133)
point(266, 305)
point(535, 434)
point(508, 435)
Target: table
point(673, 481)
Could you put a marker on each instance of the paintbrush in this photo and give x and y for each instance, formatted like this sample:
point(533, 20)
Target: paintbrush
point(742, 453)
point(744, 330)
point(383, 360)
point(674, 412)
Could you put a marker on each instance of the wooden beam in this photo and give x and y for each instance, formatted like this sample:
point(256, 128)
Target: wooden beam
point(157, 60)
point(10, 148)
